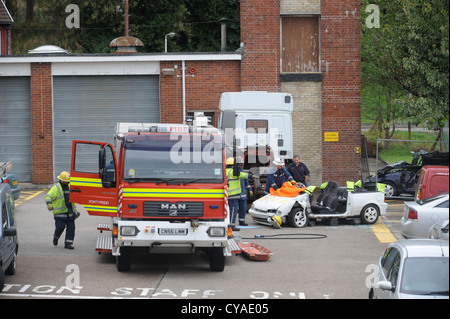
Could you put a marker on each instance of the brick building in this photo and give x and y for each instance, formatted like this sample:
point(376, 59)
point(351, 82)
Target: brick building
point(5, 29)
point(310, 49)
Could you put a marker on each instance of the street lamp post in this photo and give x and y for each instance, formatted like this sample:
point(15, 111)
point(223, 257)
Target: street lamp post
point(171, 34)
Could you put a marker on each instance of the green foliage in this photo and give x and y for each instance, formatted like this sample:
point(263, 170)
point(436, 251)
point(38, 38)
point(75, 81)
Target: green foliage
point(403, 151)
point(407, 61)
point(195, 23)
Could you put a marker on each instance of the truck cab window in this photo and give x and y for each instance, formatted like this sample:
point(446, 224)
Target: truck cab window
point(86, 158)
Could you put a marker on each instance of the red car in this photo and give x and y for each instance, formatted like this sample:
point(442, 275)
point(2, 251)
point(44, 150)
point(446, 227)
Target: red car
point(433, 180)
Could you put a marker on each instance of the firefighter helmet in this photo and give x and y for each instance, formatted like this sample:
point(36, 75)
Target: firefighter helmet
point(64, 176)
point(278, 161)
point(230, 161)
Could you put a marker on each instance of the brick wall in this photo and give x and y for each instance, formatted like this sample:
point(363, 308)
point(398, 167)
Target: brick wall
point(341, 88)
point(203, 91)
point(307, 125)
point(260, 32)
point(295, 6)
point(42, 123)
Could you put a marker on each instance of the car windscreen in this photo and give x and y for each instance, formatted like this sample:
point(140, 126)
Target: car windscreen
point(184, 158)
point(425, 276)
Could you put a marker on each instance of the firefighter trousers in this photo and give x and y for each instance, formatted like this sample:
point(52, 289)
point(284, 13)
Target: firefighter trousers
point(67, 223)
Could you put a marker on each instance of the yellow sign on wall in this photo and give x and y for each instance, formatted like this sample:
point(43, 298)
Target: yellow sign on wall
point(331, 137)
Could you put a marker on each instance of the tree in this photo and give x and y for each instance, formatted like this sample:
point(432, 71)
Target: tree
point(379, 87)
point(424, 38)
point(195, 23)
point(409, 55)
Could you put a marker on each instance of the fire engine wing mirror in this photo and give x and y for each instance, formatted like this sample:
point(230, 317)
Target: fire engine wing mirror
point(101, 164)
point(236, 168)
point(101, 159)
point(106, 172)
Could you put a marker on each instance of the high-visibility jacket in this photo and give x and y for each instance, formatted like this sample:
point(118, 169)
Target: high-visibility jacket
point(56, 196)
point(234, 183)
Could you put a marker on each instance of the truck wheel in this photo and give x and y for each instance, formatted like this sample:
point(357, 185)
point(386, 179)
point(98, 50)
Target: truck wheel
point(216, 259)
point(297, 218)
point(123, 262)
point(369, 214)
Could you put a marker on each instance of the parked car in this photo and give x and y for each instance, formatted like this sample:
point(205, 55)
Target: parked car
point(13, 182)
point(8, 234)
point(433, 180)
point(402, 177)
point(439, 230)
point(10, 179)
point(419, 217)
point(413, 269)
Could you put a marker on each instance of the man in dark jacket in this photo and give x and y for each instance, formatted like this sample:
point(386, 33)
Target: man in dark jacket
point(299, 171)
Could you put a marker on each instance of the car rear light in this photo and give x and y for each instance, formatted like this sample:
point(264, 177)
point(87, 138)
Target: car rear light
point(412, 214)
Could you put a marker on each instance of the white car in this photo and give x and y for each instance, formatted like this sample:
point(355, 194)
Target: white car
point(413, 269)
point(419, 217)
point(333, 202)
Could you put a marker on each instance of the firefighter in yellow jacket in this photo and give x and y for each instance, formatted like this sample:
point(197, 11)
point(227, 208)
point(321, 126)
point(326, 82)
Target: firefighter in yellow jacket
point(64, 212)
point(234, 189)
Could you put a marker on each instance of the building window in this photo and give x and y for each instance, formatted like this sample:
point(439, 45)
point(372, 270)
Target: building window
point(300, 44)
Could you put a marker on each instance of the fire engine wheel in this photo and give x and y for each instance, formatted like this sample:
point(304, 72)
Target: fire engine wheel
point(123, 262)
point(297, 218)
point(216, 259)
point(369, 214)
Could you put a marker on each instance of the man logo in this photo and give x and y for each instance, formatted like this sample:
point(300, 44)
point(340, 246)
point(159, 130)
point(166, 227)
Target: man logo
point(173, 206)
point(173, 212)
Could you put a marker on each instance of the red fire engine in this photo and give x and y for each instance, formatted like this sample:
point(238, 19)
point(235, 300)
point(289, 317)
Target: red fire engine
point(163, 186)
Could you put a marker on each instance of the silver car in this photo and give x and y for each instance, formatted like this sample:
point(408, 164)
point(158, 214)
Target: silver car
point(413, 269)
point(440, 230)
point(419, 217)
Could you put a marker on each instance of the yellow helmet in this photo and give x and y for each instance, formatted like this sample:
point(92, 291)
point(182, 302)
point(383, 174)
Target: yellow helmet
point(230, 161)
point(64, 176)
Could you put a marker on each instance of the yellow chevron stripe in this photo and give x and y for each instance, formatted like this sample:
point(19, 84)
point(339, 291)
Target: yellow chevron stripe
point(107, 209)
point(87, 182)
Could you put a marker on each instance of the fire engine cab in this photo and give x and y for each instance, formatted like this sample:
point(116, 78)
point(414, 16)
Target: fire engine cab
point(162, 185)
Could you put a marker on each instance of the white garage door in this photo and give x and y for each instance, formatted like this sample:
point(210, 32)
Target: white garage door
point(15, 125)
point(88, 108)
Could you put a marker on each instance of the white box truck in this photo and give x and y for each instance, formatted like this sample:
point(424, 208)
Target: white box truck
point(258, 128)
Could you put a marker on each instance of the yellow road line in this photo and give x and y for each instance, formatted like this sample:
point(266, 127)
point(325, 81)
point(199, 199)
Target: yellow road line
point(30, 196)
point(383, 233)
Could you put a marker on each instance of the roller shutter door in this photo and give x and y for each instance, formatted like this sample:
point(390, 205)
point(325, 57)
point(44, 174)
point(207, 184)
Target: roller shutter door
point(15, 125)
point(88, 108)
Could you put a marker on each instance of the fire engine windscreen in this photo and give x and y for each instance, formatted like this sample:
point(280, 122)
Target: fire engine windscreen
point(175, 157)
